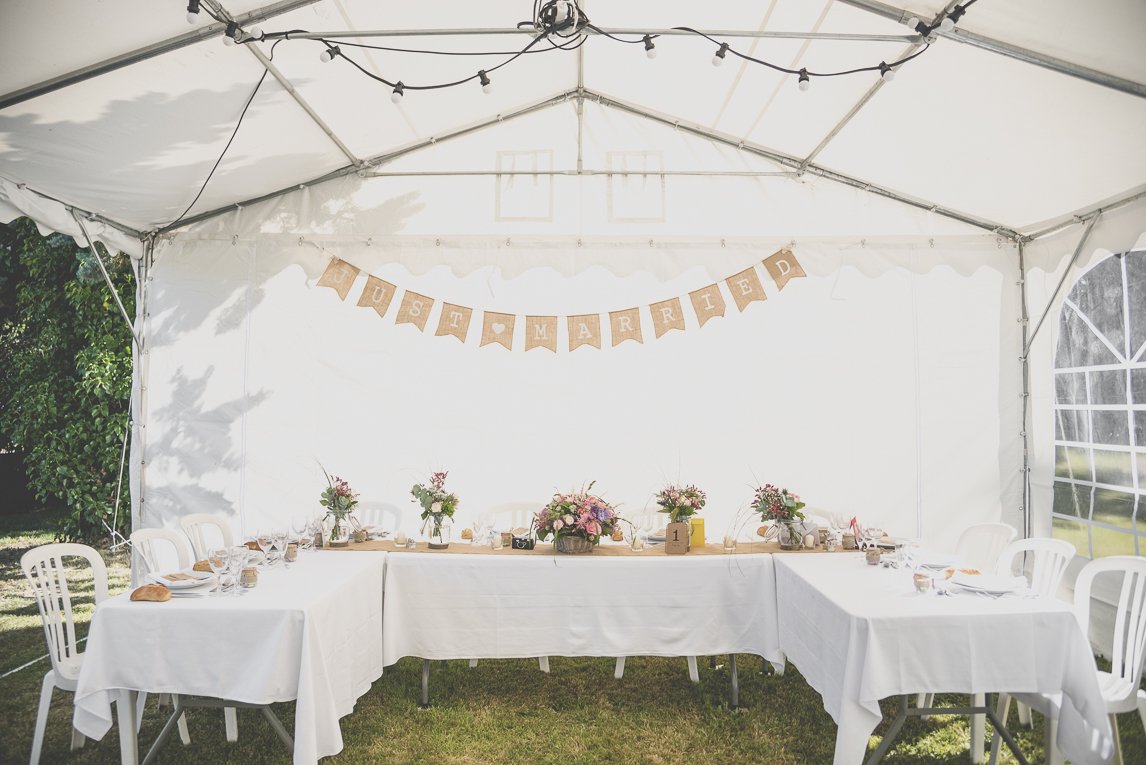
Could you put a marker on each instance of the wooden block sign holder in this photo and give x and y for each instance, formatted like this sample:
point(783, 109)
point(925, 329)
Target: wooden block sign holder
point(676, 539)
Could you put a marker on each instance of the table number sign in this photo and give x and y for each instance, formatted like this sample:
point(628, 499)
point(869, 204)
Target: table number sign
point(676, 539)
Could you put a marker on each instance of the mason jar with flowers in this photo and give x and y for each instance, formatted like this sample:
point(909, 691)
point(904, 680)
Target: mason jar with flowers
point(576, 521)
point(783, 507)
point(438, 506)
point(339, 502)
point(681, 503)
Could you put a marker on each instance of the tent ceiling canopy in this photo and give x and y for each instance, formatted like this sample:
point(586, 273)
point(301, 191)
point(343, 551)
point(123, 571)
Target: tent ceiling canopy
point(1026, 113)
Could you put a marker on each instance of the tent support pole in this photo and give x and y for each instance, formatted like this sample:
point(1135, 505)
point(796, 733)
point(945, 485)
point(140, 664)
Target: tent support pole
point(1024, 320)
point(635, 31)
point(1086, 216)
point(107, 278)
point(1062, 281)
point(1011, 51)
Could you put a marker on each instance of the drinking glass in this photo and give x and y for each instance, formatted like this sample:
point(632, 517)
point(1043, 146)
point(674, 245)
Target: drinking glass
point(266, 540)
point(299, 525)
point(280, 540)
point(220, 562)
point(306, 536)
point(237, 562)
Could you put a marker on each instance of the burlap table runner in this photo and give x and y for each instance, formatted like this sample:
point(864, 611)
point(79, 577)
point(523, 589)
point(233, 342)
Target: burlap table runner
point(543, 548)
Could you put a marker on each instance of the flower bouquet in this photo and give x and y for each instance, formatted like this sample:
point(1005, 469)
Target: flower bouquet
point(783, 507)
point(438, 506)
point(680, 504)
point(339, 502)
point(577, 521)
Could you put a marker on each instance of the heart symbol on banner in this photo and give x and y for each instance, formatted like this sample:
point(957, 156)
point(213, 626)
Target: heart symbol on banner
point(497, 328)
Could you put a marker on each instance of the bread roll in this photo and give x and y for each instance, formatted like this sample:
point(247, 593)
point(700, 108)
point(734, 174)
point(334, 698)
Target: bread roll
point(762, 531)
point(467, 533)
point(155, 592)
point(618, 535)
point(201, 565)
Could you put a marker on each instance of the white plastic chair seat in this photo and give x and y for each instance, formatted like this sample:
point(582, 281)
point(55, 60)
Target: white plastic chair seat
point(68, 672)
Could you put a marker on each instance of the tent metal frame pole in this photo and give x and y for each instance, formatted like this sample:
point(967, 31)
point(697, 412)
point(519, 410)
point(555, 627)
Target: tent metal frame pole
point(785, 160)
point(88, 214)
point(107, 278)
point(1062, 281)
point(1025, 321)
point(635, 31)
point(900, 16)
point(149, 51)
point(372, 161)
point(1085, 216)
point(575, 173)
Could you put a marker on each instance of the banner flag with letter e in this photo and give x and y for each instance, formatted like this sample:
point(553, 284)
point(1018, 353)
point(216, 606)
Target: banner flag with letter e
point(339, 275)
point(745, 288)
point(455, 321)
point(541, 332)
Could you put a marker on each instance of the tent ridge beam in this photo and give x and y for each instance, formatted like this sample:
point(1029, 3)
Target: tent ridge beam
point(583, 172)
point(636, 31)
point(899, 15)
point(86, 214)
point(274, 70)
point(375, 160)
point(148, 51)
point(798, 165)
point(1084, 217)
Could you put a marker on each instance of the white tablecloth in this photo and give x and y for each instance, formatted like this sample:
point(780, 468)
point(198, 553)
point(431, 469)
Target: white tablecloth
point(506, 606)
point(312, 633)
point(861, 633)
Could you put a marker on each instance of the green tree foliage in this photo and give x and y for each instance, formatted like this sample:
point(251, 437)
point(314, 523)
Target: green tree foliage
point(65, 372)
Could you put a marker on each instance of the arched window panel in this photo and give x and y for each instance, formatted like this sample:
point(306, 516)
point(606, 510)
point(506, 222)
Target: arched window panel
point(1100, 410)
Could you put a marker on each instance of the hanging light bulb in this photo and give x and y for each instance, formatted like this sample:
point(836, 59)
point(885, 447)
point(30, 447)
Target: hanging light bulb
point(718, 58)
point(946, 25)
point(886, 72)
point(193, 11)
point(328, 55)
point(255, 33)
point(650, 49)
point(231, 33)
point(804, 82)
point(912, 22)
point(486, 85)
point(396, 96)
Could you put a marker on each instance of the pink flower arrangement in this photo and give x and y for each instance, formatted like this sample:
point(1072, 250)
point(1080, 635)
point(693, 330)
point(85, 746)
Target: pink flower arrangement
point(680, 503)
point(776, 504)
point(576, 515)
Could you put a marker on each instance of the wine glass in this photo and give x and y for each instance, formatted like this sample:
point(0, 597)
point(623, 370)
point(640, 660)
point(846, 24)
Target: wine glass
point(306, 536)
point(237, 562)
point(299, 525)
point(220, 562)
point(279, 539)
point(266, 540)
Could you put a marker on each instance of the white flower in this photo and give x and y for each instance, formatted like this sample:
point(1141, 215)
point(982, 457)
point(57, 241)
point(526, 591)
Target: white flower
point(436, 507)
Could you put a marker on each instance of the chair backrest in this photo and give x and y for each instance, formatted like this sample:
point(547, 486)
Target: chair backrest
point(144, 543)
point(1051, 557)
point(1130, 618)
point(374, 514)
point(980, 545)
point(514, 515)
point(193, 526)
point(44, 569)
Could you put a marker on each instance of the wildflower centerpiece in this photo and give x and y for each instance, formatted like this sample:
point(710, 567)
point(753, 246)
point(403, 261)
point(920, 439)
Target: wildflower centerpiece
point(783, 507)
point(576, 521)
point(438, 506)
point(339, 502)
point(680, 503)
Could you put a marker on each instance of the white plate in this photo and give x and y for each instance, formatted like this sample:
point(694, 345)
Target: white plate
point(992, 585)
point(200, 577)
point(934, 560)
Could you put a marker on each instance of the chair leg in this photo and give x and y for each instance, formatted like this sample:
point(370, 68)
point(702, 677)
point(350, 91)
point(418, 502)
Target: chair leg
point(922, 701)
point(231, 720)
point(78, 740)
point(473, 663)
point(619, 672)
point(1024, 714)
point(693, 674)
point(140, 708)
point(1142, 707)
point(1117, 758)
point(184, 736)
point(978, 724)
point(164, 699)
point(46, 689)
point(1001, 711)
point(543, 662)
point(1051, 752)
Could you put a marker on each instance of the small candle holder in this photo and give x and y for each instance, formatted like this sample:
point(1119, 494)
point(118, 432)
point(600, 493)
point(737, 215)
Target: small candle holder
point(730, 544)
point(411, 544)
point(249, 579)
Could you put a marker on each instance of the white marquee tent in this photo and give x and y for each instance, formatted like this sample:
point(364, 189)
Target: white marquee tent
point(932, 214)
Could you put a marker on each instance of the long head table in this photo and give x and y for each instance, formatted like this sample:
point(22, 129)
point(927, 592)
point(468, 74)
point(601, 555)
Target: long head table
point(861, 633)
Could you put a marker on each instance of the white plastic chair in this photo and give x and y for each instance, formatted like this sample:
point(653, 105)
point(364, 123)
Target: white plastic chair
point(44, 569)
point(1050, 559)
point(1119, 686)
point(648, 519)
point(520, 515)
point(374, 514)
point(193, 526)
point(144, 543)
point(979, 547)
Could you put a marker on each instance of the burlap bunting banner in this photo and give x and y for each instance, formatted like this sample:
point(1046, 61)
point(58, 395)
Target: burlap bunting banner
point(498, 328)
point(667, 315)
point(783, 266)
point(377, 295)
point(455, 321)
point(415, 309)
point(745, 288)
point(585, 330)
point(339, 275)
point(625, 325)
point(541, 332)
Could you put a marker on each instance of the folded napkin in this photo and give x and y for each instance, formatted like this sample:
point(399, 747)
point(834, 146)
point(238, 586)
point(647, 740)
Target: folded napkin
point(989, 583)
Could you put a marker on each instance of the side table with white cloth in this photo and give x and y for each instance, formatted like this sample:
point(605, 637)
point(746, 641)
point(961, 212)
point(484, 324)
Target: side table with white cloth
point(861, 633)
point(312, 632)
point(504, 606)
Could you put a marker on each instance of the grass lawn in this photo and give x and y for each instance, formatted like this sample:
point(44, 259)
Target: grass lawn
point(499, 712)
